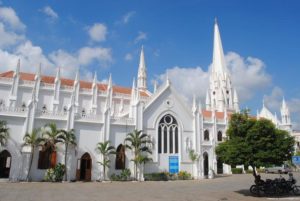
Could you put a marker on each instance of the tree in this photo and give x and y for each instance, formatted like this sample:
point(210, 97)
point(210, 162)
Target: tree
point(137, 142)
point(69, 139)
point(194, 157)
point(33, 140)
point(51, 136)
point(105, 150)
point(254, 143)
point(4, 133)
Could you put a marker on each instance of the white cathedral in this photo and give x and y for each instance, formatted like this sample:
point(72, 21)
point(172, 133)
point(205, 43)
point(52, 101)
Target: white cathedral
point(99, 112)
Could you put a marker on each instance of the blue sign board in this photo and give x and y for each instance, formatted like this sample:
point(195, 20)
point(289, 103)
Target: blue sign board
point(173, 164)
point(296, 160)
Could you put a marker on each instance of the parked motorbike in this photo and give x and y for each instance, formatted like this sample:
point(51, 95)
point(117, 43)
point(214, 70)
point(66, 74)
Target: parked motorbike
point(276, 187)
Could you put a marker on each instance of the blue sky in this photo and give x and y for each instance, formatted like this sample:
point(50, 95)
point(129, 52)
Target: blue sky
point(260, 39)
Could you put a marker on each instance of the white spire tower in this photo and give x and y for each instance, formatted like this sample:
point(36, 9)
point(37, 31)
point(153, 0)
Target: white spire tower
point(142, 73)
point(221, 91)
point(285, 115)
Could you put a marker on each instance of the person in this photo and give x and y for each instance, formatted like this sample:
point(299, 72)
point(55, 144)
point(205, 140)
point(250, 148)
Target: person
point(291, 178)
point(258, 180)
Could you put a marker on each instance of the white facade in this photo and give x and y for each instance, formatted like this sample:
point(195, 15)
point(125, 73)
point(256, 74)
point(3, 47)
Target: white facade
point(100, 112)
point(284, 123)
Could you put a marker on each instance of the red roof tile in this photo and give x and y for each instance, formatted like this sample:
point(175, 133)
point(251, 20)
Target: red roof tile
point(69, 82)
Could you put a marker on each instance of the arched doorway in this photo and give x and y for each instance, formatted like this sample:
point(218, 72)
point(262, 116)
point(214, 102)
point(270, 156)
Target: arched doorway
point(84, 168)
point(5, 162)
point(120, 157)
point(205, 164)
point(219, 166)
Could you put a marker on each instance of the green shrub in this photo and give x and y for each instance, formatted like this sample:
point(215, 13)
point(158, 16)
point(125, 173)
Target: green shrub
point(157, 176)
point(237, 170)
point(124, 175)
point(184, 175)
point(55, 174)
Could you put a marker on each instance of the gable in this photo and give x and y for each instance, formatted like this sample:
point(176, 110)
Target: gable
point(167, 101)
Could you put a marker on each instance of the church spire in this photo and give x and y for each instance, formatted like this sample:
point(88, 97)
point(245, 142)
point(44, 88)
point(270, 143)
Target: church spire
point(57, 77)
point(236, 101)
point(218, 65)
point(142, 72)
point(207, 101)
point(285, 113)
point(17, 71)
point(38, 72)
point(220, 90)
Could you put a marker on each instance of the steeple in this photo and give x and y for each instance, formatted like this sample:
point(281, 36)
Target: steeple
point(76, 77)
point(133, 92)
point(220, 89)
point(95, 80)
point(194, 107)
point(142, 73)
point(17, 71)
point(109, 93)
point(15, 85)
point(94, 94)
point(57, 77)
point(38, 72)
point(76, 88)
point(236, 101)
point(207, 101)
point(218, 65)
point(57, 83)
point(285, 113)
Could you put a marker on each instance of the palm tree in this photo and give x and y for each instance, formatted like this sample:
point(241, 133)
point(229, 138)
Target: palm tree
point(138, 142)
point(194, 157)
point(51, 136)
point(68, 138)
point(4, 134)
point(105, 150)
point(33, 140)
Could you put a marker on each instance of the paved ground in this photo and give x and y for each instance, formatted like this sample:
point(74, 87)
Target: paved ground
point(235, 187)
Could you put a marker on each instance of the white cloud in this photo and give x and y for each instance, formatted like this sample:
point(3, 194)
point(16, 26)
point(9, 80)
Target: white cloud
point(31, 56)
point(127, 17)
point(47, 10)
point(248, 76)
point(9, 17)
point(128, 57)
point(9, 38)
point(82, 58)
point(88, 54)
point(141, 36)
point(15, 45)
point(274, 100)
point(98, 32)
point(187, 81)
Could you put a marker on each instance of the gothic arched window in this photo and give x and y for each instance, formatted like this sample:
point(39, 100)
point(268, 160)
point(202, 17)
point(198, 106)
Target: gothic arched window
point(168, 135)
point(220, 136)
point(206, 135)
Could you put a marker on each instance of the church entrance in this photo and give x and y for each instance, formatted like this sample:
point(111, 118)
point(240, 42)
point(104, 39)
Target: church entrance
point(84, 168)
point(5, 162)
point(219, 166)
point(205, 164)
